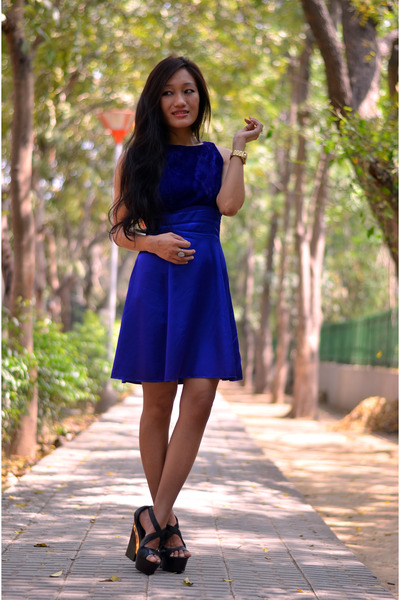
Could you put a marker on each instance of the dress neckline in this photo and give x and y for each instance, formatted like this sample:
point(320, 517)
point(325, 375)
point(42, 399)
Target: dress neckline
point(185, 146)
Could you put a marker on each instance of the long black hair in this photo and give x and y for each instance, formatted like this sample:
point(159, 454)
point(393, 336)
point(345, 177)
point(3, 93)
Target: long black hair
point(144, 154)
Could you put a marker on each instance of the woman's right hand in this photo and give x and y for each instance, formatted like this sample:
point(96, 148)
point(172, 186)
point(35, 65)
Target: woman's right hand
point(167, 246)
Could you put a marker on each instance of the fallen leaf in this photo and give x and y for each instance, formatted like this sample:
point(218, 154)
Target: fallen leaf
point(112, 578)
point(41, 545)
point(24, 504)
point(110, 473)
point(58, 574)
point(228, 580)
point(265, 549)
point(187, 581)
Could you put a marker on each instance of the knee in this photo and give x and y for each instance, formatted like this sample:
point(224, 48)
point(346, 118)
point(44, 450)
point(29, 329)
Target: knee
point(197, 406)
point(158, 407)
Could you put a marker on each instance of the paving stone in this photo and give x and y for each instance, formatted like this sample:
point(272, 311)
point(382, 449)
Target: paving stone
point(253, 536)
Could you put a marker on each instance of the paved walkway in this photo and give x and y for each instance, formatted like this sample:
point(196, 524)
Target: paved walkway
point(67, 522)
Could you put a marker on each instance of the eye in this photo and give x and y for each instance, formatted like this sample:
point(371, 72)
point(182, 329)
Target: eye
point(189, 91)
point(167, 93)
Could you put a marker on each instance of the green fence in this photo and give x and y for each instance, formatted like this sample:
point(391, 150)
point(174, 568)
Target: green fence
point(366, 341)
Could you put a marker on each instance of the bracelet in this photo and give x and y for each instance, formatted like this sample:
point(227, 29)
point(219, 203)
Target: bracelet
point(241, 154)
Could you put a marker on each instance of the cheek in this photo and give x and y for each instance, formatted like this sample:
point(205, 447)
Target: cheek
point(196, 103)
point(164, 105)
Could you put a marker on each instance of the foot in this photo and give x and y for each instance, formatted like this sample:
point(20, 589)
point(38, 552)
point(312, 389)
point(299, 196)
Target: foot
point(175, 541)
point(147, 525)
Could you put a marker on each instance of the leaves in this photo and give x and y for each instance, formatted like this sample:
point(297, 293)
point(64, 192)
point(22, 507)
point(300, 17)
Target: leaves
point(112, 578)
point(187, 581)
point(57, 574)
point(41, 545)
point(71, 368)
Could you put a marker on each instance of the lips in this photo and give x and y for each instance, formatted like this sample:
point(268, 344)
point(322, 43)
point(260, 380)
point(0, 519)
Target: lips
point(180, 113)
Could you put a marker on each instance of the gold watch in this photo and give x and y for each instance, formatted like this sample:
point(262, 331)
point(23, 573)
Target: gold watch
point(241, 154)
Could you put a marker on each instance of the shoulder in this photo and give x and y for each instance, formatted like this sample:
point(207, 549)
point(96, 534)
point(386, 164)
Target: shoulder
point(224, 153)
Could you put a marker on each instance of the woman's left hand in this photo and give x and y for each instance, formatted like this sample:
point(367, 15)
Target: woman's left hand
point(249, 133)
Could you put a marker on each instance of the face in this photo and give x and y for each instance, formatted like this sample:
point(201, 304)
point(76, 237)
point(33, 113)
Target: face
point(180, 100)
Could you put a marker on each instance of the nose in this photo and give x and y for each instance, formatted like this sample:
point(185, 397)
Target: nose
point(180, 100)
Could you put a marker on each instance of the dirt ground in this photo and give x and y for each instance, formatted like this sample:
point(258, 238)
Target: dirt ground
point(350, 478)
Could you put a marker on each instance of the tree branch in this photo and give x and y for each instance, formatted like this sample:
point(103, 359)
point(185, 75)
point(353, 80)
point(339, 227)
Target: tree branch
point(322, 26)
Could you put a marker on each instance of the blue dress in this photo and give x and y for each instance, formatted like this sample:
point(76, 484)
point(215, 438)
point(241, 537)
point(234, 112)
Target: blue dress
point(178, 320)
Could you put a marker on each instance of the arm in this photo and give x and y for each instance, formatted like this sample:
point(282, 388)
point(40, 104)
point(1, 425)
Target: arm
point(231, 196)
point(165, 245)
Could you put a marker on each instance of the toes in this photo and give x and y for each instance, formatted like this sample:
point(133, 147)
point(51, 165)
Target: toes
point(153, 558)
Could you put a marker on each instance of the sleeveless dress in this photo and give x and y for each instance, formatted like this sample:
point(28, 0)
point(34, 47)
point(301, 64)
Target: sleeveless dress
point(178, 320)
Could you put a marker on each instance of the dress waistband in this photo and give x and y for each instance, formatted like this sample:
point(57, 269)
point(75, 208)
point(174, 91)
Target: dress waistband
point(204, 220)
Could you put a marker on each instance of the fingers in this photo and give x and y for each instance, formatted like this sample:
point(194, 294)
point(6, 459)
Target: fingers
point(253, 128)
point(182, 240)
point(253, 123)
point(183, 257)
point(174, 248)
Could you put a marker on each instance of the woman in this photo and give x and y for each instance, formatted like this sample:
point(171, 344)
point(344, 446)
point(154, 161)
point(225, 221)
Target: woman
point(177, 327)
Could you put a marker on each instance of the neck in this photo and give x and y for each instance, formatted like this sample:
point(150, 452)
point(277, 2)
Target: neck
point(182, 137)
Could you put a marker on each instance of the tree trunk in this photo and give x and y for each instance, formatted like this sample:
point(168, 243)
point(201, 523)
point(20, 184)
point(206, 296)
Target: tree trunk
point(317, 15)
point(248, 332)
point(299, 77)
point(310, 248)
point(7, 261)
point(40, 271)
point(363, 60)
point(23, 225)
point(264, 352)
point(65, 294)
point(352, 80)
point(53, 282)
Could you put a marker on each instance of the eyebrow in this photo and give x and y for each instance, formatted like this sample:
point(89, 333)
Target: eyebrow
point(187, 83)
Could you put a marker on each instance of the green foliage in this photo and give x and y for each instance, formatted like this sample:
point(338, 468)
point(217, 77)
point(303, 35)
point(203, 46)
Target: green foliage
point(374, 139)
point(90, 340)
point(379, 11)
point(71, 369)
point(62, 374)
point(15, 381)
point(357, 267)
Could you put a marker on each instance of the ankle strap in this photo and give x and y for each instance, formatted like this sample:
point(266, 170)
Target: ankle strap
point(153, 519)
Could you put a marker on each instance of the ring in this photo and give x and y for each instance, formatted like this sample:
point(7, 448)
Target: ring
point(181, 254)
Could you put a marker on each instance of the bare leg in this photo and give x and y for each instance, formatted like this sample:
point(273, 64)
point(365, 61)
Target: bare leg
point(195, 407)
point(167, 466)
point(158, 400)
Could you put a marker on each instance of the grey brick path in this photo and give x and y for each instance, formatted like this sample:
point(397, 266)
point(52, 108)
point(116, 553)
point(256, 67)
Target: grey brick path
point(252, 534)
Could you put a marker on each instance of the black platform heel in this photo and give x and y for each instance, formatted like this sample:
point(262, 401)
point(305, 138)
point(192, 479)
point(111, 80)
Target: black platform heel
point(137, 550)
point(173, 564)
